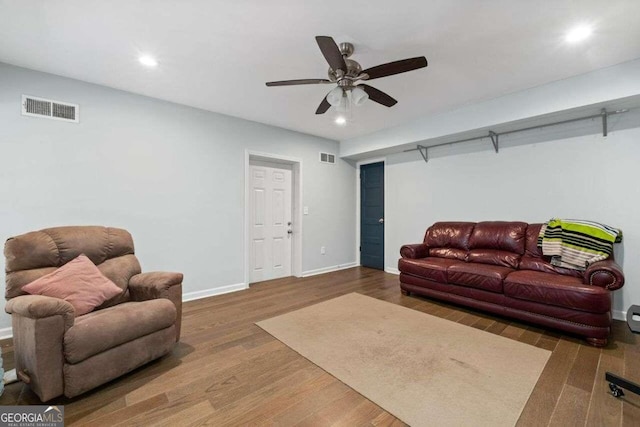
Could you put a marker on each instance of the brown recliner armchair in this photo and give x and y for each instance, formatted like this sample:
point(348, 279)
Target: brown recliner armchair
point(58, 353)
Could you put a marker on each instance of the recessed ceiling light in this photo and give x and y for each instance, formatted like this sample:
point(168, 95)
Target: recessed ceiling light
point(148, 61)
point(341, 121)
point(578, 33)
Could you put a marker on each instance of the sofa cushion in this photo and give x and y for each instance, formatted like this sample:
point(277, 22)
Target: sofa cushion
point(449, 235)
point(540, 264)
point(37, 253)
point(494, 256)
point(451, 253)
point(534, 260)
point(78, 282)
point(500, 235)
point(481, 276)
point(54, 247)
point(104, 329)
point(120, 270)
point(429, 268)
point(531, 245)
point(558, 290)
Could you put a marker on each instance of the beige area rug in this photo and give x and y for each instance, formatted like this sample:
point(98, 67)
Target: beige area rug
point(425, 370)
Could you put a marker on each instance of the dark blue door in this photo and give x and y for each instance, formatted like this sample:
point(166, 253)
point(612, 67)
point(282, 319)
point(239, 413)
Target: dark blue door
point(372, 215)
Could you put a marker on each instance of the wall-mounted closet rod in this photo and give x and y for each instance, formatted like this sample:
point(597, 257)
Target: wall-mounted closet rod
point(494, 136)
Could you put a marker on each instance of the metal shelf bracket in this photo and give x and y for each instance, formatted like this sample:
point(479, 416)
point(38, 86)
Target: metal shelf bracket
point(424, 152)
point(605, 126)
point(494, 139)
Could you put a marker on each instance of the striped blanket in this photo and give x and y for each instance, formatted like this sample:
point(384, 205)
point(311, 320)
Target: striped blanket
point(575, 243)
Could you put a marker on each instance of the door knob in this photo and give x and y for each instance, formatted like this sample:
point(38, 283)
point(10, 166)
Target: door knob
point(381, 220)
point(289, 231)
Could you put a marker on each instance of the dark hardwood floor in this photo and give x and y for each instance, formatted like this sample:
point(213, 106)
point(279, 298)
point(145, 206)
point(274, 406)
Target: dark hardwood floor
point(228, 371)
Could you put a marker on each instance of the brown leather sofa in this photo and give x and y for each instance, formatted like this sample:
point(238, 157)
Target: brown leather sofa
point(497, 266)
point(57, 352)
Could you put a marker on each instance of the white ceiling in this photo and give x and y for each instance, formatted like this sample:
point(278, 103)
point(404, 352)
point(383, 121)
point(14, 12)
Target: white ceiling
point(217, 55)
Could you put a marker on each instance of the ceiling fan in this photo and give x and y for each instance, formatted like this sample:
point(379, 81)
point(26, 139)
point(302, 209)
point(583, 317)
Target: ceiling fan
point(347, 73)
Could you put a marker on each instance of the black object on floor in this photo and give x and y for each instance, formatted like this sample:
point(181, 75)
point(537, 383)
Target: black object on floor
point(634, 325)
point(616, 383)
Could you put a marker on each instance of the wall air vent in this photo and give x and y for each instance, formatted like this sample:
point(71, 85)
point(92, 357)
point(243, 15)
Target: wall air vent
point(49, 109)
point(327, 158)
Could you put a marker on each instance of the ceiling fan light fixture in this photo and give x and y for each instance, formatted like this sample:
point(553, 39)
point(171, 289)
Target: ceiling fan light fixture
point(578, 33)
point(359, 96)
point(341, 120)
point(148, 61)
point(344, 106)
point(335, 96)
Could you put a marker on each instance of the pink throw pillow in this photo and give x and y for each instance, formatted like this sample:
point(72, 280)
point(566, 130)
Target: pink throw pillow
point(78, 282)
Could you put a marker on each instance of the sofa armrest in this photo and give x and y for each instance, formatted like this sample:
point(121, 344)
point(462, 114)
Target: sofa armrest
point(159, 284)
point(606, 274)
point(39, 325)
point(40, 307)
point(414, 251)
point(146, 286)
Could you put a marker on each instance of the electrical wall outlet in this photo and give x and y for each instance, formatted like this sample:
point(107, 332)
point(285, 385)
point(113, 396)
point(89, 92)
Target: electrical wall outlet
point(322, 250)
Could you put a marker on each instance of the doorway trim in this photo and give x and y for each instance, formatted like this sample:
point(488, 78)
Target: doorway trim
point(296, 207)
point(358, 164)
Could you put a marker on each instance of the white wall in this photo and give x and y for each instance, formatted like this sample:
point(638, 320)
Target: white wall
point(171, 175)
point(568, 171)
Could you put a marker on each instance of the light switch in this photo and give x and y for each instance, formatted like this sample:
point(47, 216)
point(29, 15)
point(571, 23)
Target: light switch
point(305, 210)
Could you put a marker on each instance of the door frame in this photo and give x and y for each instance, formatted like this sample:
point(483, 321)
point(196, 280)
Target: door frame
point(296, 207)
point(382, 160)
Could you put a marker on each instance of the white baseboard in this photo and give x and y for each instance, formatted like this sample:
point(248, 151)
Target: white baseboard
point(6, 333)
point(619, 315)
point(190, 296)
point(328, 269)
point(392, 270)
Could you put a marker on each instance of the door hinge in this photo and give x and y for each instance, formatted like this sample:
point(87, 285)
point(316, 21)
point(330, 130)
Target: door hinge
point(360, 248)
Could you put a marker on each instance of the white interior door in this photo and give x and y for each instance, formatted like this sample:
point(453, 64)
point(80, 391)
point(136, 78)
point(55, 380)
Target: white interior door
point(270, 226)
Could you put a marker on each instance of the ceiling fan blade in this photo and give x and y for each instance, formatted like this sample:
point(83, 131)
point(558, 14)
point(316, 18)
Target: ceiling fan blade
point(299, 82)
point(331, 53)
point(323, 107)
point(378, 96)
point(396, 67)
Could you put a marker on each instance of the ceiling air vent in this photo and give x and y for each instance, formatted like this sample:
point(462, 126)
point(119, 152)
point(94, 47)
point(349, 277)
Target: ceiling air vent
point(327, 158)
point(49, 109)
